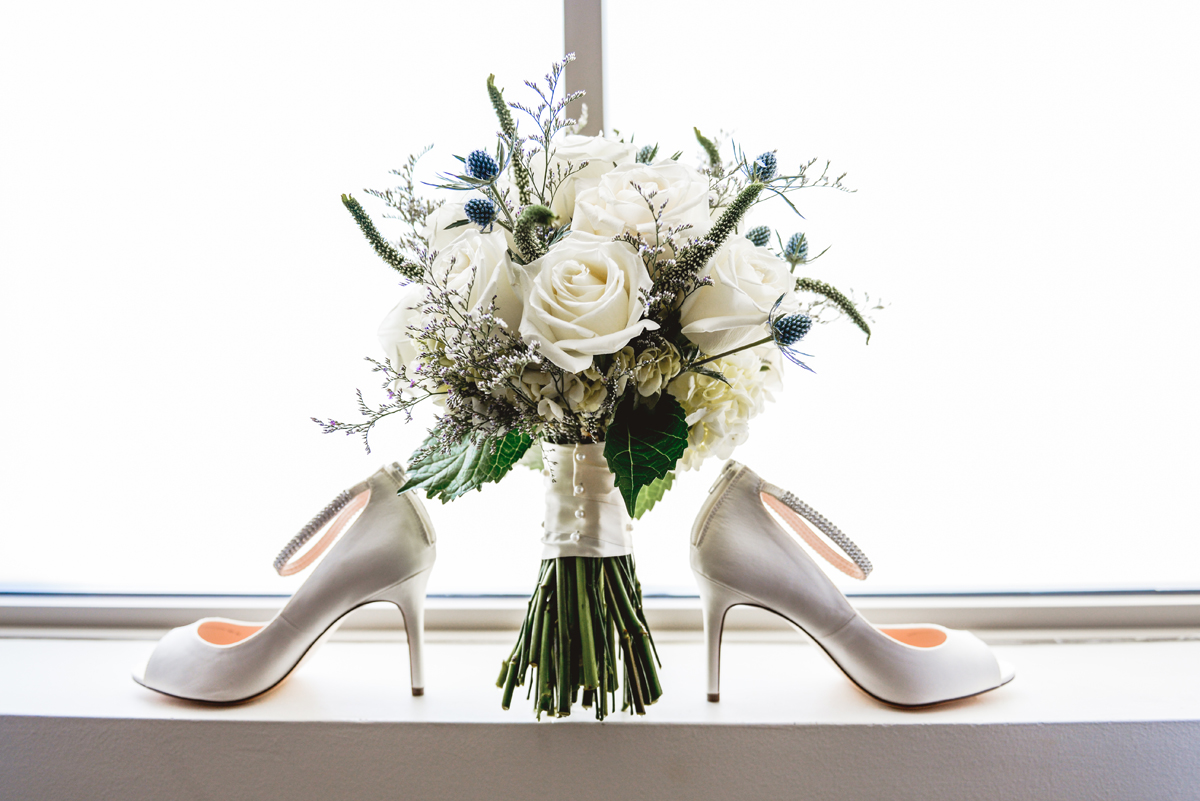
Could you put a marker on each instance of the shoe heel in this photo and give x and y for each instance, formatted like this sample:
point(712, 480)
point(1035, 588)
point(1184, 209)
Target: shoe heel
point(409, 596)
point(715, 601)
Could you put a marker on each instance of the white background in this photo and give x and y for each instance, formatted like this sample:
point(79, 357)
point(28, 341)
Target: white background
point(182, 289)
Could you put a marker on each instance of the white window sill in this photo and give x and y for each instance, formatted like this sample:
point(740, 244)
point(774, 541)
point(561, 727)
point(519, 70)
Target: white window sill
point(1088, 719)
point(1151, 610)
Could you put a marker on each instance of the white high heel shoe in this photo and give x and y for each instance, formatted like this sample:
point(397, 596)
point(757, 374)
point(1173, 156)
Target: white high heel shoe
point(740, 555)
point(387, 554)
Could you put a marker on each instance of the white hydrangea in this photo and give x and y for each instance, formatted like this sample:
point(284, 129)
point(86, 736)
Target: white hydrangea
point(719, 414)
point(656, 366)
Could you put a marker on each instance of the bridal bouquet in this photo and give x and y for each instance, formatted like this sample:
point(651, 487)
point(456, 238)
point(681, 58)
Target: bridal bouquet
point(599, 298)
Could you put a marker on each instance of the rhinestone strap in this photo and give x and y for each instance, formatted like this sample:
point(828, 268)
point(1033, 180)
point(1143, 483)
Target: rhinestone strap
point(311, 528)
point(828, 529)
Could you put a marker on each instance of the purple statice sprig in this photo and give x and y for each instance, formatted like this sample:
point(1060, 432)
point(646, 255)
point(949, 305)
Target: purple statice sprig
point(396, 403)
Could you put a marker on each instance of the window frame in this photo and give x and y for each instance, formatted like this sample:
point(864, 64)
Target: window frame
point(22, 613)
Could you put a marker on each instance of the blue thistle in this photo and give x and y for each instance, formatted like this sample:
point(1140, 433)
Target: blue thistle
point(482, 166)
point(763, 168)
point(796, 250)
point(787, 330)
point(480, 211)
point(760, 236)
point(647, 154)
point(791, 328)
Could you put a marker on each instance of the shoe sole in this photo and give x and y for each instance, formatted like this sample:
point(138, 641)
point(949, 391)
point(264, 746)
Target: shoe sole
point(416, 691)
point(716, 697)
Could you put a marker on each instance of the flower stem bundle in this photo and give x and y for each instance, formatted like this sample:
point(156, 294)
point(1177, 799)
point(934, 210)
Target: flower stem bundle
point(585, 638)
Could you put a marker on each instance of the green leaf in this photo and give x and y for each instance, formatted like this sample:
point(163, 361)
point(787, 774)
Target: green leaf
point(466, 466)
point(532, 459)
point(643, 444)
point(651, 494)
point(456, 224)
point(717, 374)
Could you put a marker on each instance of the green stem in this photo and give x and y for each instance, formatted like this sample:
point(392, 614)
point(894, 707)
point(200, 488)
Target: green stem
point(632, 686)
point(510, 685)
point(585, 617)
point(535, 642)
point(563, 641)
point(587, 636)
point(545, 692)
point(703, 362)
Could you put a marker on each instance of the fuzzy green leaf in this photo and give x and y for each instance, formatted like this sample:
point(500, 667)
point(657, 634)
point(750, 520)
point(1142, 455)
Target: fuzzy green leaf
point(456, 224)
point(643, 445)
point(467, 466)
point(651, 494)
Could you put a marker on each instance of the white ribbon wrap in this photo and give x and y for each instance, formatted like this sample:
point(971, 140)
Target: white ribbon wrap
point(585, 514)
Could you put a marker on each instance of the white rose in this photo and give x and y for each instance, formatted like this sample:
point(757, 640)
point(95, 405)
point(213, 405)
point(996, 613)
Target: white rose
point(477, 267)
point(436, 233)
point(610, 205)
point(747, 280)
point(601, 155)
point(395, 334)
point(582, 299)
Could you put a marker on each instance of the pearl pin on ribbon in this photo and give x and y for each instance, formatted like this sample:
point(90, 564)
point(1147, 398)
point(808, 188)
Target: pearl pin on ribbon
point(585, 514)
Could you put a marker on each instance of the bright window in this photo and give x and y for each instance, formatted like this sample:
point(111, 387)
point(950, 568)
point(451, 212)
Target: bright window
point(182, 289)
